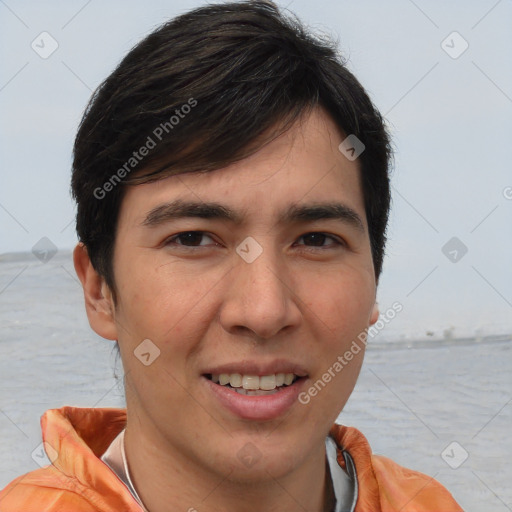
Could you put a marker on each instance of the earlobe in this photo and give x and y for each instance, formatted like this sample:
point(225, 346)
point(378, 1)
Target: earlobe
point(99, 303)
point(375, 313)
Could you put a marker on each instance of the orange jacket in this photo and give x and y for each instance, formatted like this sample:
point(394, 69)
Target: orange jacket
point(78, 481)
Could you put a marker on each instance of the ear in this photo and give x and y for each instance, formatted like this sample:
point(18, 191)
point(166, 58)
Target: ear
point(375, 313)
point(99, 303)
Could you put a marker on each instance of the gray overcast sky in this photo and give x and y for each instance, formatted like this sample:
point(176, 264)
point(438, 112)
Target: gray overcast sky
point(449, 108)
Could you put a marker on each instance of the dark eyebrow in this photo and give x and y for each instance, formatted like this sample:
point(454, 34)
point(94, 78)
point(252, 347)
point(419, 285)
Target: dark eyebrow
point(293, 214)
point(179, 209)
point(323, 211)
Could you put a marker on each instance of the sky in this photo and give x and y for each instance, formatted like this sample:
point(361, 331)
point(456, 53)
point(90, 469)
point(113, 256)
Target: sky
point(440, 73)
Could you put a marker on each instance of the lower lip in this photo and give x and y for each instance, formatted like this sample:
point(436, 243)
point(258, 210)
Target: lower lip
point(257, 408)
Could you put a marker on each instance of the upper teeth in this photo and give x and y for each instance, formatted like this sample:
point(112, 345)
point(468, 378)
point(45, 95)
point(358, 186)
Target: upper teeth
point(265, 382)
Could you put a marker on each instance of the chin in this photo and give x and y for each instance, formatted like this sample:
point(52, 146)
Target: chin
point(251, 460)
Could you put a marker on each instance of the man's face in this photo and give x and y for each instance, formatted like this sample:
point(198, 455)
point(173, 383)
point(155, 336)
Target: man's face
point(259, 294)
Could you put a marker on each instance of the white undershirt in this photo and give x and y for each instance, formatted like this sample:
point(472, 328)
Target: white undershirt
point(344, 482)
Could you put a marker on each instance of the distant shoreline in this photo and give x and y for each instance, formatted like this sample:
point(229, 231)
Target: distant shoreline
point(24, 256)
point(439, 342)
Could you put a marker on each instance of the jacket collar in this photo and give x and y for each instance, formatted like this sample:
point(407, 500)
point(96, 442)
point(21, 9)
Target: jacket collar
point(349, 439)
point(74, 440)
point(80, 436)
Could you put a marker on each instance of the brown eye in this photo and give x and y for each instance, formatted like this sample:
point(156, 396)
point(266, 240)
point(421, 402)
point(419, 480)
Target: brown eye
point(189, 239)
point(318, 240)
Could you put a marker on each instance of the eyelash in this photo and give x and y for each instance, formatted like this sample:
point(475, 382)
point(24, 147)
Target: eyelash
point(337, 242)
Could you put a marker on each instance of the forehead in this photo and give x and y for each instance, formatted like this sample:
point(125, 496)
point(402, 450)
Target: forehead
point(303, 165)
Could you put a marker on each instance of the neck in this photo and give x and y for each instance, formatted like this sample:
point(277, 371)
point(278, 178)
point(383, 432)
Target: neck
point(166, 478)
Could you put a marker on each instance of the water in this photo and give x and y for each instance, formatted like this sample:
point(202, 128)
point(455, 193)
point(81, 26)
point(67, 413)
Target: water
point(411, 401)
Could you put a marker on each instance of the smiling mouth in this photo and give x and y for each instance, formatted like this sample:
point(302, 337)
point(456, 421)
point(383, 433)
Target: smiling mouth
point(254, 385)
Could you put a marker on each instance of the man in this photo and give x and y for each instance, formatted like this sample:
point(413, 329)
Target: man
point(232, 186)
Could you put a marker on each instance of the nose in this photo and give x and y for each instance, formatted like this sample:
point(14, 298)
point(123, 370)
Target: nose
point(260, 299)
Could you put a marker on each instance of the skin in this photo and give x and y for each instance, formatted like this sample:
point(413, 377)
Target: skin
point(301, 300)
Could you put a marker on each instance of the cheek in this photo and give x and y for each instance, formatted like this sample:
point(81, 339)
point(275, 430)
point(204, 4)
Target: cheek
point(164, 303)
point(342, 306)
point(342, 302)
